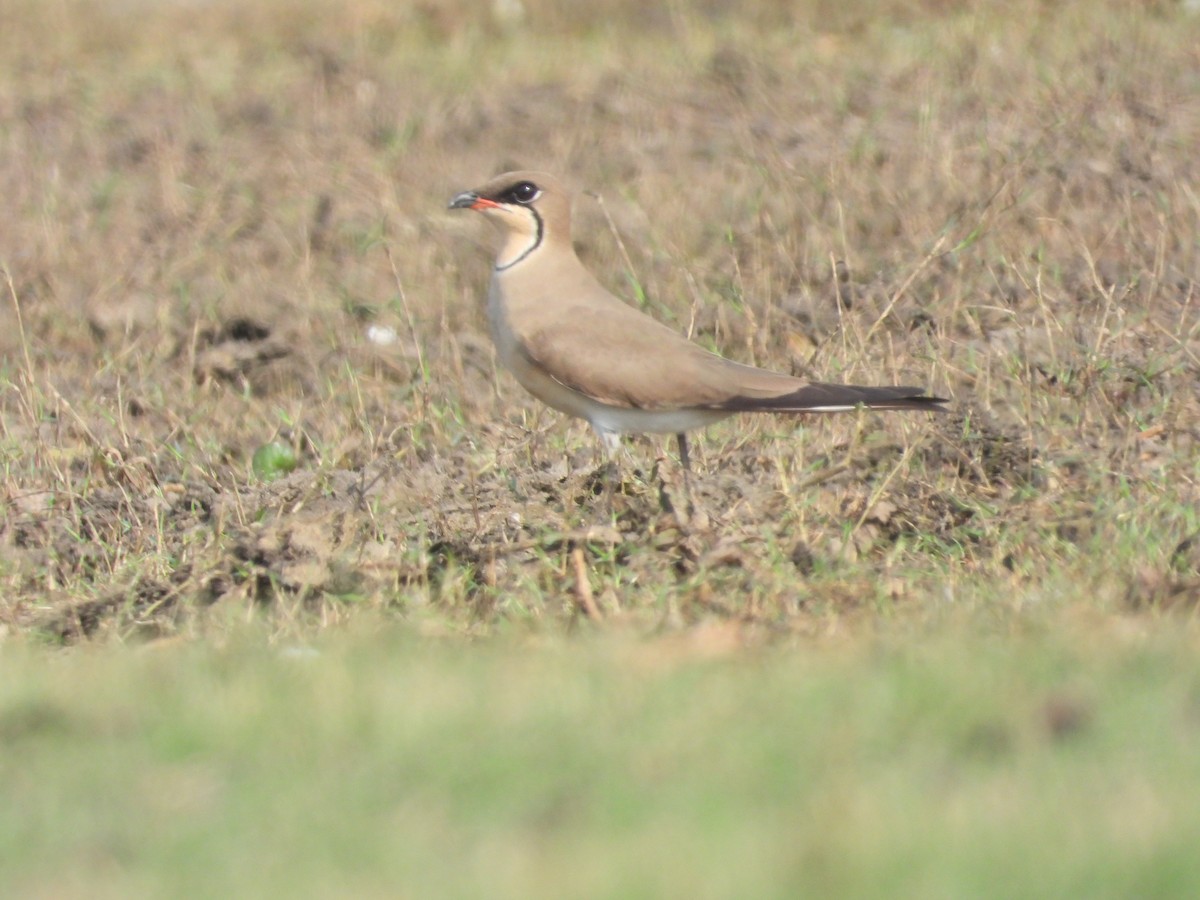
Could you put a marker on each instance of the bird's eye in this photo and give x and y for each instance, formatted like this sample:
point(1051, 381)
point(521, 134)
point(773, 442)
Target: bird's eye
point(525, 192)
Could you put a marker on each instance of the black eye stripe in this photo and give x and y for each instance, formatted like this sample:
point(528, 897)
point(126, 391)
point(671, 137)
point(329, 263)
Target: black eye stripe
point(523, 192)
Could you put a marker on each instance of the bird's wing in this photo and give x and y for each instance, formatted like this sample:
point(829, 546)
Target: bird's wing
point(621, 357)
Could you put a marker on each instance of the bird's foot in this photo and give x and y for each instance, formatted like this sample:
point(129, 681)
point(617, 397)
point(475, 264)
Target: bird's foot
point(675, 499)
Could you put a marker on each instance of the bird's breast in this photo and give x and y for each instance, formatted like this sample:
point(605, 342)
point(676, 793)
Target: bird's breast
point(510, 348)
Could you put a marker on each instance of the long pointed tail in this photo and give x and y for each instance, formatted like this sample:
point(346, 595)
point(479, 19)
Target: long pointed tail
point(828, 398)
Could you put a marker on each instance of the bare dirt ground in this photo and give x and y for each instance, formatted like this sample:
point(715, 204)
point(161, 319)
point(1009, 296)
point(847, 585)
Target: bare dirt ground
point(205, 215)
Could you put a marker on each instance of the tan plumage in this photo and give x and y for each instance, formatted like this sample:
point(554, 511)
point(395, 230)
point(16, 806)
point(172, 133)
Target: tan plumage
point(578, 348)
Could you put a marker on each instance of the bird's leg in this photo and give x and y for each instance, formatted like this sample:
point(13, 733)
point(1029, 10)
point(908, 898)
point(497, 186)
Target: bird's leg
point(612, 447)
point(695, 519)
point(685, 461)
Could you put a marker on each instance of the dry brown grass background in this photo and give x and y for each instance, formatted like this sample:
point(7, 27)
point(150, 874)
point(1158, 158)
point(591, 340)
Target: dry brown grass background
point(205, 207)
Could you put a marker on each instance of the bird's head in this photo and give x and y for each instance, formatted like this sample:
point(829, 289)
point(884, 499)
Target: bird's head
point(530, 208)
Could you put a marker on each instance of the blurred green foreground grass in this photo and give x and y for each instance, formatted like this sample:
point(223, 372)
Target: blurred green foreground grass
point(1036, 764)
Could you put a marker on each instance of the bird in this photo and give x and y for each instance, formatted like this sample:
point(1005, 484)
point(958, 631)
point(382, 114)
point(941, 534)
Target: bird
point(585, 352)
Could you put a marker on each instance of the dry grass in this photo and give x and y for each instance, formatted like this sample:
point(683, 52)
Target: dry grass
point(206, 206)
